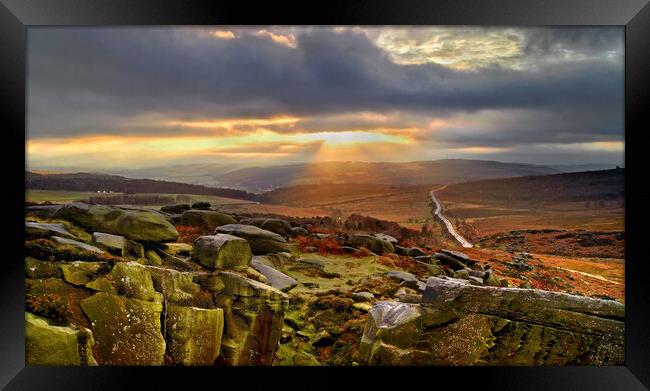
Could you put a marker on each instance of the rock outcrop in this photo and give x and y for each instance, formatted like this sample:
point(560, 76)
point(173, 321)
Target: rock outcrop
point(76, 244)
point(253, 316)
point(462, 324)
point(373, 243)
point(194, 334)
point(127, 330)
point(135, 224)
point(274, 277)
point(45, 230)
point(160, 310)
point(278, 226)
point(206, 220)
point(261, 241)
point(221, 251)
point(47, 344)
point(118, 245)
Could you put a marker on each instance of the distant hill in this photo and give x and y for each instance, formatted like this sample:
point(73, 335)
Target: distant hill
point(583, 167)
point(604, 185)
point(259, 179)
point(115, 183)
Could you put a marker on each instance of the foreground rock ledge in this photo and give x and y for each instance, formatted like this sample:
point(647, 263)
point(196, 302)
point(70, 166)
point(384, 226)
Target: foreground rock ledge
point(462, 324)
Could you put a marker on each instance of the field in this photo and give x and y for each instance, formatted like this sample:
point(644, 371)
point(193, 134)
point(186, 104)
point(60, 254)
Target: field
point(63, 196)
point(56, 196)
point(589, 276)
point(488, 219)
point(407, 205)
point(593, 201)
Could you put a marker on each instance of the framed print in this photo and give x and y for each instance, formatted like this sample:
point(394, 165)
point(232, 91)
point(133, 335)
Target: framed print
point(438, 190)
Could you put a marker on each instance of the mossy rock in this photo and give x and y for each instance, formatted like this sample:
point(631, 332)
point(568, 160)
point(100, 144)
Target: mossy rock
point(206, 220)
point(174, 285)
point(177, 248)
point(221, 251)
point(302, 359)
point(68, 295)
point(241, 286)
point(81, 273)
point(261, 241)
point(210, 282)
point(133, 280)
point(102, 284)
point(133, 249)
point(372, 243)
point(253, 316)
point(41, 269)
point(193, 334)
point(46, 344)
point(76, 244)
point(127, 331)
point(153, 258)
point(45, 230)
point(135, 224)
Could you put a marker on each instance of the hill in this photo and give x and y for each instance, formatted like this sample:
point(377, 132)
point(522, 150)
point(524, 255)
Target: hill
point(592, 201)
point(103, 182)
point(258, 179)
point(568, 187)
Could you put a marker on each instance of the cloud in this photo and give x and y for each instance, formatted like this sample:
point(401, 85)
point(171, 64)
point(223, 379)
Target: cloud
point(481, 87)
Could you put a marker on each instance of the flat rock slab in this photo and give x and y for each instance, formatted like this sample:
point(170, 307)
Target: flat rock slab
point(278, 226)
point(261, 241)
point(77, 244)
point(386, 238)
point(249, 232)
point(44, 230)
point(238, 285)
point(452, 262)
point(460, 256)
point(274, 277)
point(561, 310)
point(112, 243)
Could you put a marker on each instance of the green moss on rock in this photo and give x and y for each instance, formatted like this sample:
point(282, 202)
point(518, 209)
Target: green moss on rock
point(127, 331)
point(47, 344)
point(193, 334)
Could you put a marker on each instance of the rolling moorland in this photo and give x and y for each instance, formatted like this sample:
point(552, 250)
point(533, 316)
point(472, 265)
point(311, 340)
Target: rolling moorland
point(328, 273)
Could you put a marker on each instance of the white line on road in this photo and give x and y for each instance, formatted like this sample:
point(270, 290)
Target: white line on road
point(450, 227)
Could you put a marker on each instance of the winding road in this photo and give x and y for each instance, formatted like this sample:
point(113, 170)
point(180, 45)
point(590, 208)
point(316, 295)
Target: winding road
point(450, 227)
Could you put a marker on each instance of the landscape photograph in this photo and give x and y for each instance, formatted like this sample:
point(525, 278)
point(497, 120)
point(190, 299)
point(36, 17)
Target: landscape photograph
point(325, 196)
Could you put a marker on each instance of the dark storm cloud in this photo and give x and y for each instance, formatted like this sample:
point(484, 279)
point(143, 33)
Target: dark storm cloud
point(101, 80)
point(585, 40)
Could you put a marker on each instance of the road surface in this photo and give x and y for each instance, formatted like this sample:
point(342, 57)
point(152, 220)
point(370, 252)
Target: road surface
point(450, 227)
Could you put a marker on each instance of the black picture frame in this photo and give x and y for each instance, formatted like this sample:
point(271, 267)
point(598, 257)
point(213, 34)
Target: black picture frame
point(16, 16)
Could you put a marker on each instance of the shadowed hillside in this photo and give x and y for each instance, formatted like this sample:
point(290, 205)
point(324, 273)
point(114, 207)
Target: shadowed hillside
point(103, 182)
point(589, 186)
point(258, 179)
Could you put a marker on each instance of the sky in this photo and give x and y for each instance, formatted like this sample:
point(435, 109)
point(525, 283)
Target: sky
point(117, 97)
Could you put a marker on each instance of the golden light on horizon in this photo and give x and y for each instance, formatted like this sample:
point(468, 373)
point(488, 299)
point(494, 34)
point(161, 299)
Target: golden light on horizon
point(221, 34)
point(286, 40)
point(233, 122)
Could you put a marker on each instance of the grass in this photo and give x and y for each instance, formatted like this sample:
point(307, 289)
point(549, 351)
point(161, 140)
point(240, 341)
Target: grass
point(64, 196)
point(348, 267)
point(57, 196)
point(406, 205)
